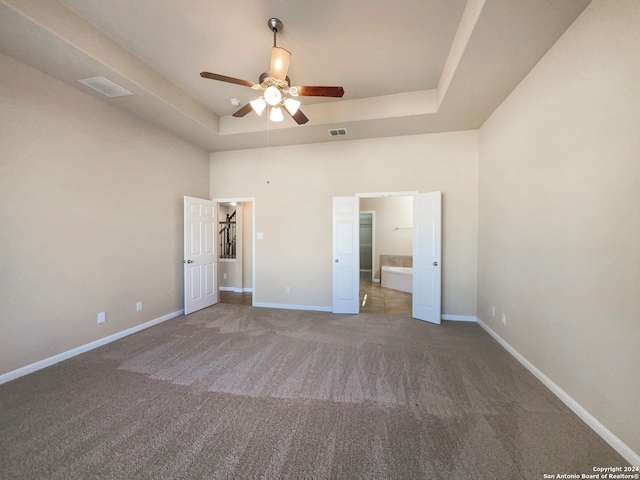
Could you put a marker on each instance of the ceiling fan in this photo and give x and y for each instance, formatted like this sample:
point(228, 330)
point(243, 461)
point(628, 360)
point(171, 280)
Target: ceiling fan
point(276, 86)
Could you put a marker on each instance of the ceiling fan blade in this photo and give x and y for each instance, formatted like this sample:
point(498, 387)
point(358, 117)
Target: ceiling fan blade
point(299, 117)
point(224, 78)
point(280, 59)
point(243, 111)
point(320, 91)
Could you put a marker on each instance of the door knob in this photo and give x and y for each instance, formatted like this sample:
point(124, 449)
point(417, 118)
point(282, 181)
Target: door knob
point(188, 261)
point(336, 260)
point(435, 264)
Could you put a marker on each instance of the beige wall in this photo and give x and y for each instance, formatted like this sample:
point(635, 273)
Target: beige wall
point(393, 226)
point(293, 187)
point(90, 217)
point(247, 245)
point(559, 215)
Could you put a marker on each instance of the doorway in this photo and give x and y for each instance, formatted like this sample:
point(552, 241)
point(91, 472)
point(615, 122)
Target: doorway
point(392, 237)
point(425, 230)
point(235, 244)
point(392, 245)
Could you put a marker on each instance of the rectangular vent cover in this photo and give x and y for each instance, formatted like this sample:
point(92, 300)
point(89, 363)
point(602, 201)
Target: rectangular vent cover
point(105, 87)
point(338, 132)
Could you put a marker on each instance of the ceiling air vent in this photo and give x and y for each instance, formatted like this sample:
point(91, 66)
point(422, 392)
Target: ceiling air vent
point(105, 87)
point(338, 132)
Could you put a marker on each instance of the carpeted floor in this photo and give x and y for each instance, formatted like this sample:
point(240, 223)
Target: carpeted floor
point(234, 391)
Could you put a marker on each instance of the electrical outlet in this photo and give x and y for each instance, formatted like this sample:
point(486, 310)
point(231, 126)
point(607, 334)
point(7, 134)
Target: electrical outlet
point(287, 289)
point(102, 316)
point(493, 311)
point(138, 306)
point(504, 318)
point(224, 275)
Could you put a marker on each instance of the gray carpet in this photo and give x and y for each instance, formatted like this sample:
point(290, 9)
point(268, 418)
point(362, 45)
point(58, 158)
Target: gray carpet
point(235, 391)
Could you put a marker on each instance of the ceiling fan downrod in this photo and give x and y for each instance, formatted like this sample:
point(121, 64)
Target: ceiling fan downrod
point(275, 25)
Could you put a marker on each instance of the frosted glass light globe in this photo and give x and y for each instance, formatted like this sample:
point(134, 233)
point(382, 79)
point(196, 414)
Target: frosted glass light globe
point(276, 114)
point(272, 95)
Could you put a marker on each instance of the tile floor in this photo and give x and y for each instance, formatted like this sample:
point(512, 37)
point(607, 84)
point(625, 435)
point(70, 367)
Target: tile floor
point(378, 299)
point(384, 300)
point(244, 298)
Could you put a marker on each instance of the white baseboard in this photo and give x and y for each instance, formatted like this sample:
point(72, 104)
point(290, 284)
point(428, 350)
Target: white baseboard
point(235, 289)
point(288, 306)
point(230, 289)
point(459, 318)
point(47, 362)
point(618, 445)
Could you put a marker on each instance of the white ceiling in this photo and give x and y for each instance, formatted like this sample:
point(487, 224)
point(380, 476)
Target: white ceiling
point(407, 67)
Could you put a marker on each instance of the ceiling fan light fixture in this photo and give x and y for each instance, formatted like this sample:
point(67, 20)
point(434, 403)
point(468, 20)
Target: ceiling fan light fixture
point(291, 105)
point(272, 95)
point(276, 86)
point(276, 114)
point(258, 105)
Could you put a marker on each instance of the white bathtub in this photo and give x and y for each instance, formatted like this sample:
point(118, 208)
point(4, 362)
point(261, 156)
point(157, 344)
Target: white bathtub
point(397, 278)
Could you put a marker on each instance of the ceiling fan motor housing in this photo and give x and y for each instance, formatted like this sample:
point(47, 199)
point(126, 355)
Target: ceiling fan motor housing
point(265, 80)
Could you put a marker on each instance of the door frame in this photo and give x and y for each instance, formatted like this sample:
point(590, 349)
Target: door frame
point(378, 195)
point(251, 200)
point(392, 194)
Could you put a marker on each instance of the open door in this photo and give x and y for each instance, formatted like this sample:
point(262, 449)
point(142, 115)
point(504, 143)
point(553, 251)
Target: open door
point(427, 246)
point(346, 254)
point(200, 276)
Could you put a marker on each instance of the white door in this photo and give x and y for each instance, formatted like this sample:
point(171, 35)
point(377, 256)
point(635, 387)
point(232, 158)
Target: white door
point(200, 276)
point(427, 246)
point(346, 255)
